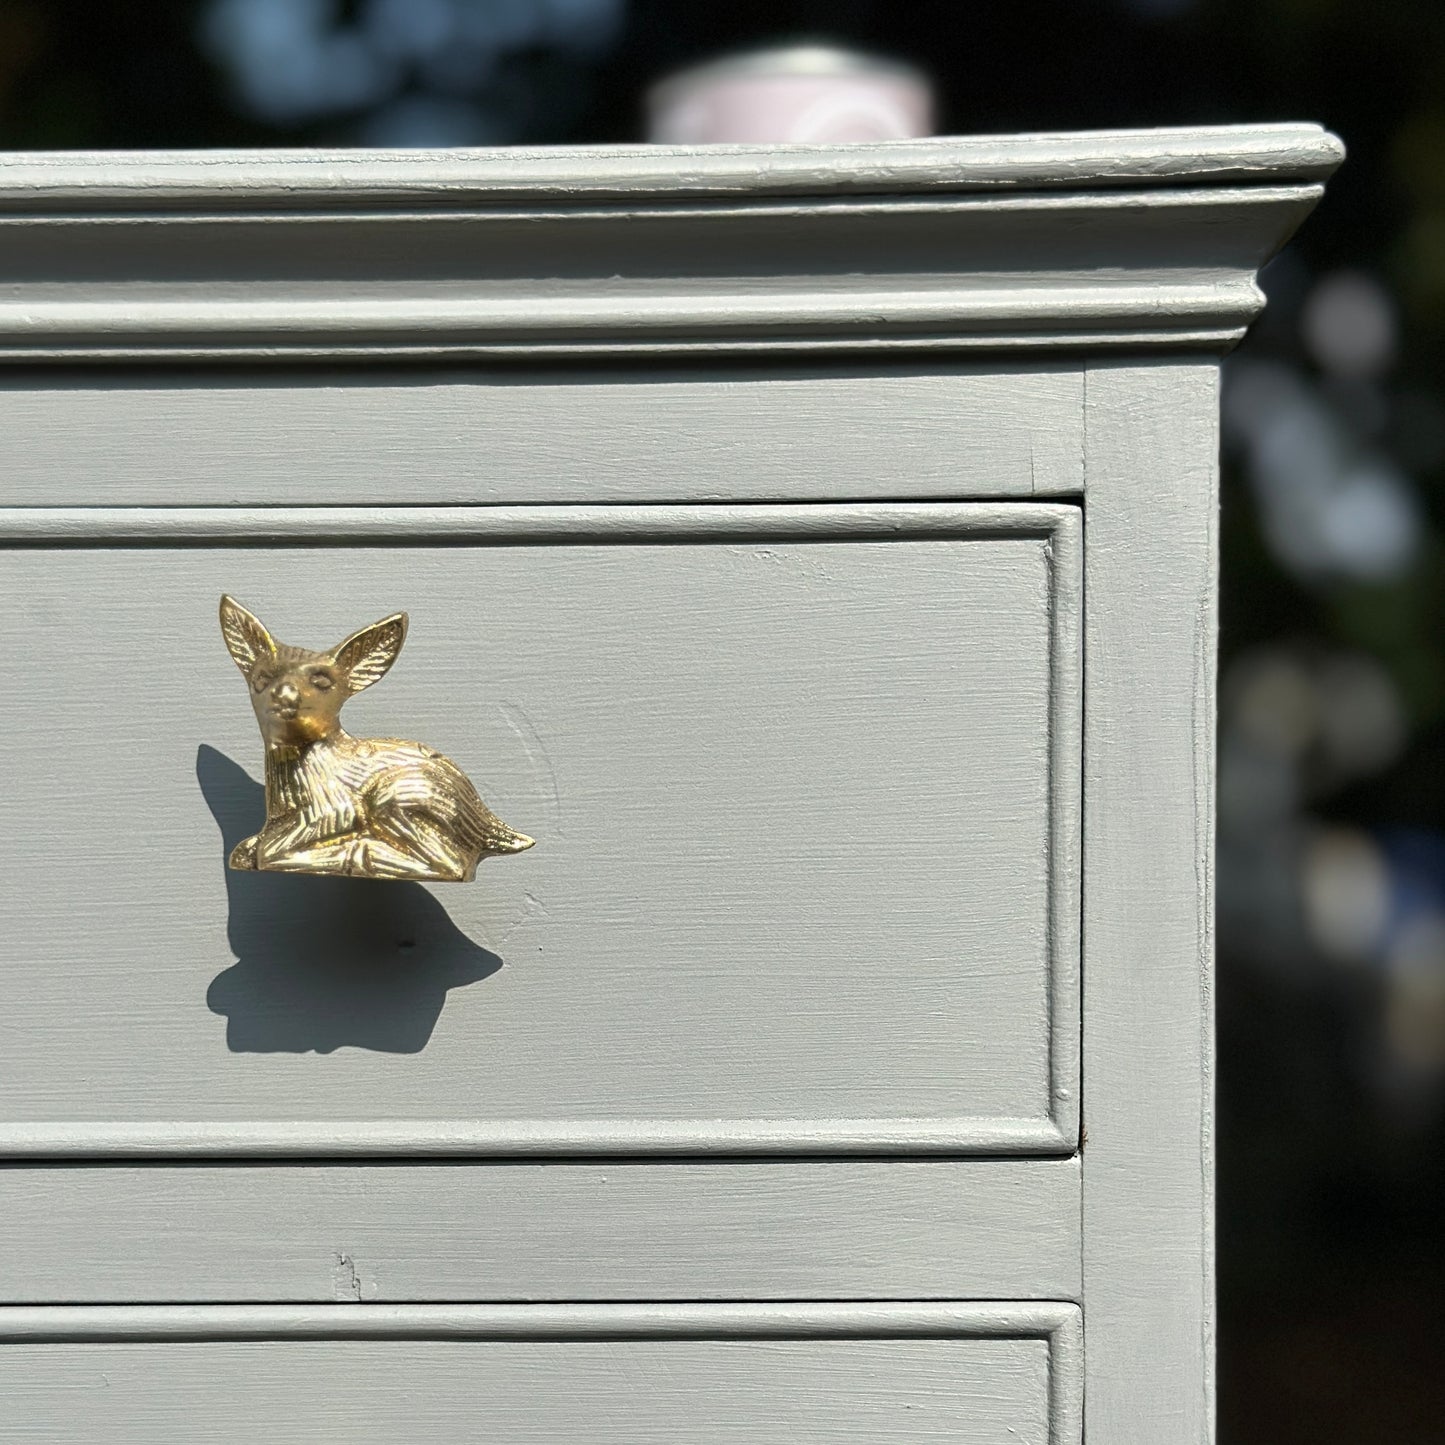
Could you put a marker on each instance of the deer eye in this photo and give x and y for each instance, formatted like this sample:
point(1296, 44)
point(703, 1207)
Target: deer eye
point(321, 681)
point(261, 681)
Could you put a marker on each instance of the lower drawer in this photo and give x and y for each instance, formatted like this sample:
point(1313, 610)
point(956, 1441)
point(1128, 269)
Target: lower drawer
point(796, 1374)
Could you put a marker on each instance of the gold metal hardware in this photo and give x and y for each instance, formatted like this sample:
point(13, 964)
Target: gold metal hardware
point(339, 805)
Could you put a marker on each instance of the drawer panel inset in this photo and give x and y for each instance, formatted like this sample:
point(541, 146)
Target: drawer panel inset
point(681, 1374)
point(804, 782)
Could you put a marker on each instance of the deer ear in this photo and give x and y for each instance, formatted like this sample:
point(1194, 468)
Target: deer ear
point(366, 656)
point(246, 639)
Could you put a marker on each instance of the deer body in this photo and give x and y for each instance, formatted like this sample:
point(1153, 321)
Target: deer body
point(336, 804)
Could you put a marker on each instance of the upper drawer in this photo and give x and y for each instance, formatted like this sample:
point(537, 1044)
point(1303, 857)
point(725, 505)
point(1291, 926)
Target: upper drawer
point(805, 785)
point(742, 433)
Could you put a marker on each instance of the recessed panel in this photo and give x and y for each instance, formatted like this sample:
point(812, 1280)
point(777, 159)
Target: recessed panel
point(804, 788)
point(804, 1374)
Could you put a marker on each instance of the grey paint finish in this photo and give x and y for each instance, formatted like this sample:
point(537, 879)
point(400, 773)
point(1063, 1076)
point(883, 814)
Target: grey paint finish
point(1002, 245)
point(404, 1231)
point(654, 281)
point(676, 1374)
point(1148, 901)
point(430, 437)
point(351, 180)
point(746, 330)
point(805, 784)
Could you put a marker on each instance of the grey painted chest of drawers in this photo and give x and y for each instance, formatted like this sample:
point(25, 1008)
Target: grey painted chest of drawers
point(815, 551)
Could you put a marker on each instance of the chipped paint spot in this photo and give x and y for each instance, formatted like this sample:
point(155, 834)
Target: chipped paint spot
point(345, 1279)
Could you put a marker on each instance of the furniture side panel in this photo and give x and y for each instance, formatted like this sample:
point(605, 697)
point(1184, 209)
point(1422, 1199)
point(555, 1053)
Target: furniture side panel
point(1148, 898)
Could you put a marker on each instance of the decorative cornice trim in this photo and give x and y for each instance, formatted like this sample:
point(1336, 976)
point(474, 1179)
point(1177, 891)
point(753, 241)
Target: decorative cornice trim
point(1147, 239)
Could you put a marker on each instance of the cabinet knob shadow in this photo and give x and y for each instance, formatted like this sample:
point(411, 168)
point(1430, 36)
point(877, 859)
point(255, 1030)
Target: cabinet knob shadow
point(327, 963)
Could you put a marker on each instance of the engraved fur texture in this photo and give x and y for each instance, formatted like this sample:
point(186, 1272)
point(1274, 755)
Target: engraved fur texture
point(345, 806)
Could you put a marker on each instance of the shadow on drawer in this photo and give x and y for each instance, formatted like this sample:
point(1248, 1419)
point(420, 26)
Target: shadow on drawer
point(350, 962)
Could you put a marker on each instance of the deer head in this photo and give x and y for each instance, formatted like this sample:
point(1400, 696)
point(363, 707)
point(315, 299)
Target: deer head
point(297, 693)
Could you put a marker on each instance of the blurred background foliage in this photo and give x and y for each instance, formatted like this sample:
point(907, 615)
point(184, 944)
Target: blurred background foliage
point(1332, 736)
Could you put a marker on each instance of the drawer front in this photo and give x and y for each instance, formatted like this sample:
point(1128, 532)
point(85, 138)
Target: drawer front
point(380, 437)
point(684, 1375)
point(804, 782)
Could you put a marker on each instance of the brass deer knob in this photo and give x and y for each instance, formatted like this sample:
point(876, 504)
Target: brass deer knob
point(345, 806)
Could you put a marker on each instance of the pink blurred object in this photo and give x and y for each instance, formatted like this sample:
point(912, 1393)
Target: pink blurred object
point(797, 93)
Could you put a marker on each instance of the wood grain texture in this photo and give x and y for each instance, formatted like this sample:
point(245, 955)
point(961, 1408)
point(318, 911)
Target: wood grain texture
point(439, 437)
point(767, 1375)
point(260, 259)
point(805, 784)
point(407, 1232)
point(1148, 903)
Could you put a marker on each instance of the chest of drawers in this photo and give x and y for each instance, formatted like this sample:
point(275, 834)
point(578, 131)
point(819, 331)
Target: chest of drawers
point(814, 550)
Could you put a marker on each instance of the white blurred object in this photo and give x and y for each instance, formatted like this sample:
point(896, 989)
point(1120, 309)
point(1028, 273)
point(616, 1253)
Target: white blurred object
point(1330, 505)
point(797, 93)
point(1345, 888)
point(1349, 324)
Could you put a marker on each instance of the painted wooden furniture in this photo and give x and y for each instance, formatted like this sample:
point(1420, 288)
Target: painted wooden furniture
point(814, 551)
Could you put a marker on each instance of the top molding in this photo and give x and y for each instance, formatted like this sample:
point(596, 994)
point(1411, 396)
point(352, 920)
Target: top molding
point(1138, 238)
point(223, 180)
